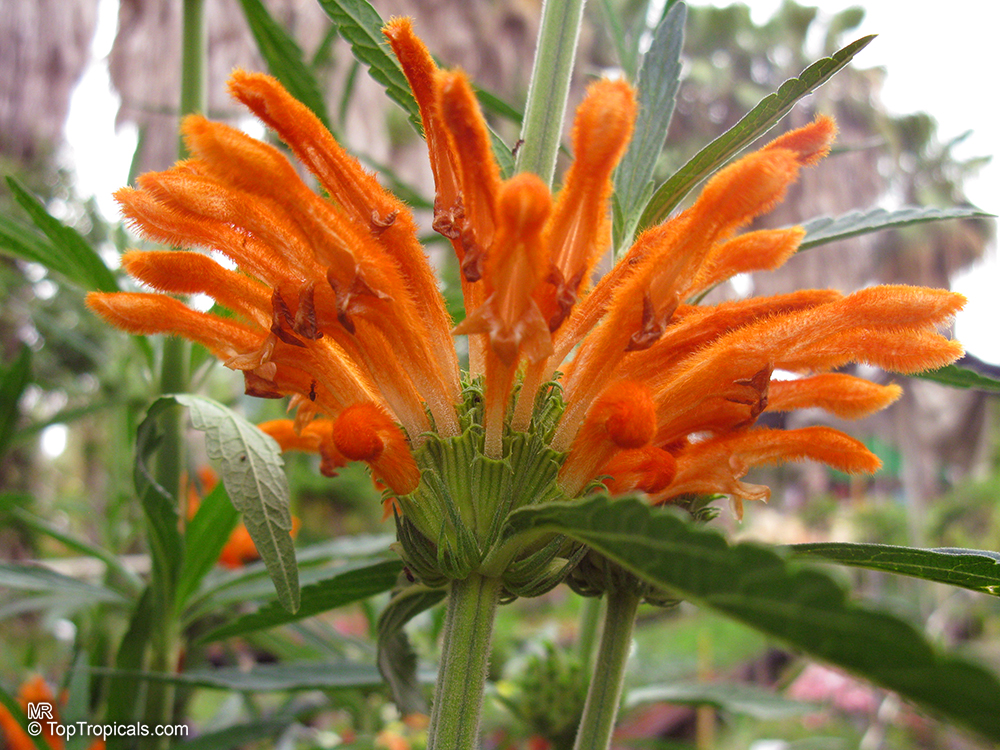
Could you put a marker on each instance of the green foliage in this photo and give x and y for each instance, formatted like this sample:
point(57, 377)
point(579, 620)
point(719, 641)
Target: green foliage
point(757, 122)
point(799, 606)
point(659, 80)
point(823, 230)
point(63, 249)
point(350, 583)
point(971, 569)
point(961, 377)
point(13, 380)
point(732, 698)
point(284, 58)
point(396, 659)
point(204, 538)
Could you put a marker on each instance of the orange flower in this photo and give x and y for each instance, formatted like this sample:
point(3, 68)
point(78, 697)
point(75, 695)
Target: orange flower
point(34, 691)
point(336, 306)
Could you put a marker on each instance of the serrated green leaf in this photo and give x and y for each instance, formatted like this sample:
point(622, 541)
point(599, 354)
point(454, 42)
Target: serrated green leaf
point(826, 229)
point(961, 377)
point(747, 700)
point(81, 265)
point(361, 26)
point(754, 124)
point(656, 88)
point(349, 584)
point(396, 659)
point(13, 707)
point(251, 468)
point(206, 535)
point(284, 58)
point(13, 380)
point(800, 606)
point(969, 568)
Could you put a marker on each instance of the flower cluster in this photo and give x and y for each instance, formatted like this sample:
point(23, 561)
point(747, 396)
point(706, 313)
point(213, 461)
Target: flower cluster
point(334, 304)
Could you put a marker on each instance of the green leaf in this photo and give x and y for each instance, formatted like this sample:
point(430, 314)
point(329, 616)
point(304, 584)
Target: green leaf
point(969, 568)
point(9, 504)
point(20, 240)
point(124, 702)
point(268, 677)
point(13, 381)
point(78, 261)
point(284, 58)
point(754, 124)
point(238, 735)
point(13, 707)
point(800, 606)
point(396, 659)
point(659, 79)
point(43, 580)
point(747, 700)
point(250, 465)
point(349, 584)
point(961, 377)
point(206, 535)
point(166, 546)
point(626, 52)
point(826, 229)
point(361, 26)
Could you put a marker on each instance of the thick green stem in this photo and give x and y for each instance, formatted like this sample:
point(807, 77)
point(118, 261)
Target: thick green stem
point(601, 708)
point(465, 655)
point(549, 87)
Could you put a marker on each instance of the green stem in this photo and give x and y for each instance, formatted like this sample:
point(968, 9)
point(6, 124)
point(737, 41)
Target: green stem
point(601, 708)
point(590, 616)
point(549, 87)
point(174, 378)
point(465, 655)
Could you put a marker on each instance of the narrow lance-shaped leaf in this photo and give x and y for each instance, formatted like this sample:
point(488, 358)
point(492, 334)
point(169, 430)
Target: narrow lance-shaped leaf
point(266, 677)
point(350, 584)
point(252, 471)
point(800, 606)
point(961, 377)
point(659, 79)
point(827, 229)
point(978, 570)
point(748, 700)
point(204, 539)
point(396, 659)
point(78, 261)
point(13, 380)
point(361, 26)
point(284, 58)
point(160, 507)
point(754, 124)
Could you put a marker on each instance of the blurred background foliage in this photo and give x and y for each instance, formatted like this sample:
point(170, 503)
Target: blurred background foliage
point(940, 446)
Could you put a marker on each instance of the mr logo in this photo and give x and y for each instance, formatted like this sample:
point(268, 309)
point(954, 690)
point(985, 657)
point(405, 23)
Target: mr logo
point(39, 711)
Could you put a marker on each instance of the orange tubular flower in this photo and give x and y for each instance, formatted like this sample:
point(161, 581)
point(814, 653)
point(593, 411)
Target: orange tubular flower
point(335, 305)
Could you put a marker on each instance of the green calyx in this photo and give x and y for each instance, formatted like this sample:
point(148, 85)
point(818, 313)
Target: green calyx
point(452, 525)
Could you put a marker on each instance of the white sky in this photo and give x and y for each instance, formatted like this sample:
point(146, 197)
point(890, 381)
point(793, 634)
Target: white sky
point(940, 59)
